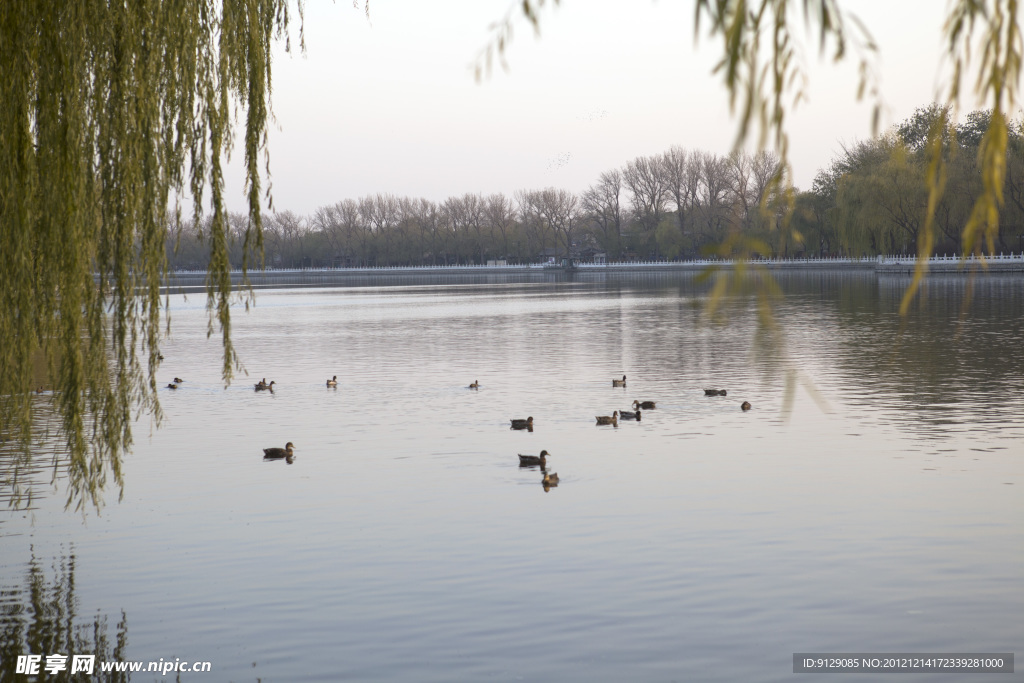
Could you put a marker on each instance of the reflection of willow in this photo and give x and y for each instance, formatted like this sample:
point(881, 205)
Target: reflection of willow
point(27, 472)
point(40, 618)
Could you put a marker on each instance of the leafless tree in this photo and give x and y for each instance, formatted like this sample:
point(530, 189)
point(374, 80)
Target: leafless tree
point(500, 216)
point(601, 203)
point(713, 201)
point(476, 223)
point(535, 226)
point(458, 223)
point(561, 210)
point(681, 174)
point(647, 190)
point(381, 211)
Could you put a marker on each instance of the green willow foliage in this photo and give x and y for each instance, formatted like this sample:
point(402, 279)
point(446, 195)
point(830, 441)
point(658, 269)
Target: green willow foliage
point(111, 112)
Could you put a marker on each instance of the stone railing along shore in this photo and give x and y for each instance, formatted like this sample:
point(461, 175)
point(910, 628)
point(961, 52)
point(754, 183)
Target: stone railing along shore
point(880, 264)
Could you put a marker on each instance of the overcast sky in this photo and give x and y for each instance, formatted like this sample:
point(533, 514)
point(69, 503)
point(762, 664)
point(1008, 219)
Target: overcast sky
point(390, 104)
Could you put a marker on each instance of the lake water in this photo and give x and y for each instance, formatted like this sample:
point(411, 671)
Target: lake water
point(881, 512)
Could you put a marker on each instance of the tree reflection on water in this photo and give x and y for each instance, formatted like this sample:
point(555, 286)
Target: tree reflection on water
point(40, 617)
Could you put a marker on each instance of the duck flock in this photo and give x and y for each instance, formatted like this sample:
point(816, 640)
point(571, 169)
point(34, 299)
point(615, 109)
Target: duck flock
point(549, 479)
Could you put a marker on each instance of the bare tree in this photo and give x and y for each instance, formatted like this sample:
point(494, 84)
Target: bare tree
point(713, 202)
point(428, 220)
point(680, 173)
point(473, 206)
point(500, 216)
point(381, 211)
point(458, 223)
point(535, 226)
point(364, 231)
point(647, 189)
point(561, 210)
point(601, 203)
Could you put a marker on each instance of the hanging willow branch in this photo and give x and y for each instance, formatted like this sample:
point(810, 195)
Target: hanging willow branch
point(111, 112)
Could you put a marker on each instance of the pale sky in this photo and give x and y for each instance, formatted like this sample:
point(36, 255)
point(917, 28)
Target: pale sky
point(390, 105)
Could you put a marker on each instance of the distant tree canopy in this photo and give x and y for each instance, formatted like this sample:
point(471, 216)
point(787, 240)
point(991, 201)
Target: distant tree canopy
point(871, 199)
point(876, 194)
point(663, 206)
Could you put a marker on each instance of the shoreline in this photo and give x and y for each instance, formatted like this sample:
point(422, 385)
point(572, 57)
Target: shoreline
point(328, 276)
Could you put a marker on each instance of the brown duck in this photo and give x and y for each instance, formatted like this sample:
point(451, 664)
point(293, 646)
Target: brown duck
point(530, 460)
point(285, 452)
point(522, 424)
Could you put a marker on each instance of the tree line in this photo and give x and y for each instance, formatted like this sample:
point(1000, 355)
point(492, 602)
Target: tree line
point(871, 199)
point(663, 206)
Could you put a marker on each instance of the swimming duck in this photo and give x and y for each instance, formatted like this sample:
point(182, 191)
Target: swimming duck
point(612, 419)
point(619, 382)
point(714, 392)
point(178, 380)
point(550, 479)
point(745, 405)
point(285, 452)
point(646, 405)
point(528, 460)
point(522, 424)
point(266, 387)
point(333, 382)
point(172, 386)
point(475, 384)
point(629, 414)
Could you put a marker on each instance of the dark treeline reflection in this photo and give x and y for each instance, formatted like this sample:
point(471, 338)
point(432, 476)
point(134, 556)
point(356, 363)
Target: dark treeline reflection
point(40, 616)
point(954, 359)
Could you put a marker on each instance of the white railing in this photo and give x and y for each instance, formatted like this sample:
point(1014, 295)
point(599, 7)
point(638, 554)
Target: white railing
point(827, 260)
point(953, 258)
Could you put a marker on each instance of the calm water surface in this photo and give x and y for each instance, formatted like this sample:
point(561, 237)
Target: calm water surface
point(404, 543)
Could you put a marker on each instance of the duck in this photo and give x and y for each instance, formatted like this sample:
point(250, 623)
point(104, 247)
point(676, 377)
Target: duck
point(522, 424)
point(172, 386)
point(612, 419)
point(475, 384)
point(529, 460)
point(550, 479)
point(285, 452)
point(745, 405)
point(619, 382)
point(266, 387)
point(178, 380)
point(629, 414)
point(646, 405)
point(714, 392)
point(333, 382)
